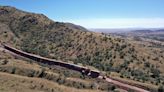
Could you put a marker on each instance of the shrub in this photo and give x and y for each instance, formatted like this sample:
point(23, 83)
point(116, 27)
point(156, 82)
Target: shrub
point(4, 62)
point(147, 64)
point(161, 89)
point(156, 73)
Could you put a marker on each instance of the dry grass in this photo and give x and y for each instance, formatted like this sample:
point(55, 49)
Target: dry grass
point(16, 83)
point(37, 34)
point(22, 69)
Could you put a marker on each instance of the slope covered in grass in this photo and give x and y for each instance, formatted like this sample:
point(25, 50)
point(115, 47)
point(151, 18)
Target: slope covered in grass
point(35, 33)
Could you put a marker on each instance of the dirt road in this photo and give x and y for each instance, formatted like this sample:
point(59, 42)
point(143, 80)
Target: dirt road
point(123, 85)
point(120, 84)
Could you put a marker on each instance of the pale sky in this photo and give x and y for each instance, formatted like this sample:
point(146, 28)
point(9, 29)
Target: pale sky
point(97, 13)
point(121, 23)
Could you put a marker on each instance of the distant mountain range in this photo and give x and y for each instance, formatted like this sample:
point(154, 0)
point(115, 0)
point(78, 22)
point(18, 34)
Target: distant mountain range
point(116, 56)
point(122, 30)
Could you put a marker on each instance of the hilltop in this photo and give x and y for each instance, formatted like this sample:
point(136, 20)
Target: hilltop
point(118, 57)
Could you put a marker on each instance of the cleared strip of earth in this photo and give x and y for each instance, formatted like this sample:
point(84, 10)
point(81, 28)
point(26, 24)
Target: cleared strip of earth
point(76, 68)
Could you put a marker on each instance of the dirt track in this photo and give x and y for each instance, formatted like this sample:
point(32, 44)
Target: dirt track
point(115, 82)
point(123, 85)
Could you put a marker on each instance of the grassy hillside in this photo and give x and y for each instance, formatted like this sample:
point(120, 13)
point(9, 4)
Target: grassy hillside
point(15, 83)
point(25, 75)
point(37, 34)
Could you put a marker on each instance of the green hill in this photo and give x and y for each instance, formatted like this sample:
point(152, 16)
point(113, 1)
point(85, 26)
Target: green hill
point(35, 33)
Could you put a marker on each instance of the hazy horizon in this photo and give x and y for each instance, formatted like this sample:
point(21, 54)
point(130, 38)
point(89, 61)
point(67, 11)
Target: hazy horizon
point(96, 13)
